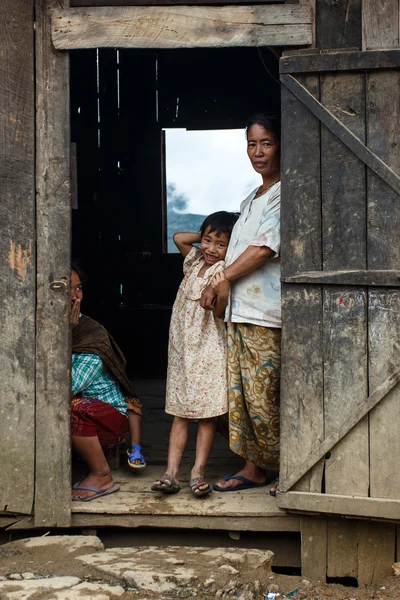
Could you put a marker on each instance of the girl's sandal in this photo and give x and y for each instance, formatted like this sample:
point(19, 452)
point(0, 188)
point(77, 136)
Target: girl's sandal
point(195, 485)
point(166, 484)
point(135, 453)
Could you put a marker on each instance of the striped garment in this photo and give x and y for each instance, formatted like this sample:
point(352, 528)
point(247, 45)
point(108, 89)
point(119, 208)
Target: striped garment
point(91, 380)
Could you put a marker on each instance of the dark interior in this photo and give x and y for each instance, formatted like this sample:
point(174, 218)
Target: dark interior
point(120, 102)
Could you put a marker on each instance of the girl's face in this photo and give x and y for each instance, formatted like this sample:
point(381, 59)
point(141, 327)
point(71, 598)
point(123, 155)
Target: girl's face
point(263, 150)
point(213, 246)
point(76, 287)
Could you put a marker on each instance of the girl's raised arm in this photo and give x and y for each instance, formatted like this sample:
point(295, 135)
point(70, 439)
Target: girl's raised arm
point(184, 241)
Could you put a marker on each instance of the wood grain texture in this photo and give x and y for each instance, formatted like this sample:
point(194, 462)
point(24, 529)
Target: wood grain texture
point(376, 552)
point(53, 478)
point(342, 548)
point(380, 24)
point(313, 547)
point(383, 110)
point(181, 27)
point(91, 3)
point(375, 278)
point(359, 412)
point(340, 61)
point(372, 160)
point(301, 383)
point(334, 504)
point(344, 309)
point(17, 256)
point(338, 24)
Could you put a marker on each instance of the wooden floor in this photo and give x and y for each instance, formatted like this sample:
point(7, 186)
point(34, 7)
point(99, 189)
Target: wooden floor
point(136, 505)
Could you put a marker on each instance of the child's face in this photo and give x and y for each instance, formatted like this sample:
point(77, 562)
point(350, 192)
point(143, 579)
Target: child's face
point(214, 246)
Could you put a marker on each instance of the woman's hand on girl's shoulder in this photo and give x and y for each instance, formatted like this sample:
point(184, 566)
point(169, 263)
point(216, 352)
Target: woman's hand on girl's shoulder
point(220, 284)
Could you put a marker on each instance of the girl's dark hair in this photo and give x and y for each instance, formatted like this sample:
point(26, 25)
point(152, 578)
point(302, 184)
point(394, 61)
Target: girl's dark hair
point(76, 266)
point(269, 122)
point(221, 222)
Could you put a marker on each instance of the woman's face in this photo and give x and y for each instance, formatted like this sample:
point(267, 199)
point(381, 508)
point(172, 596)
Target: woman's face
point(263, 150)
point(76, 287)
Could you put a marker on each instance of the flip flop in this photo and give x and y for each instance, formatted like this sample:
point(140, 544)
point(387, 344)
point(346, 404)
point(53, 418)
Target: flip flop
point(275, 482)
point(167, 485)
point(98, 494)
point(196, 483)
point(135, 453)
point(245, 485)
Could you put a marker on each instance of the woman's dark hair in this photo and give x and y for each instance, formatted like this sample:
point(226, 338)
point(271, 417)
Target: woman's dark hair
point(76, 266)
point(221, 222)
point(269, 122)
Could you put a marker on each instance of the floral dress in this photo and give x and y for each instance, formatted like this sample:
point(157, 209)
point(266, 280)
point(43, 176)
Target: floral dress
point(197, 351)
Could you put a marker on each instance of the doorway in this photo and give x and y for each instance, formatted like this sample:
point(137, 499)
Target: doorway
point(125, 106)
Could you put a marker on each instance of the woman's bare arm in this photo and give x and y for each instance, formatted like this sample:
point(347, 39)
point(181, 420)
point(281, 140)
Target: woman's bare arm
point(250, 260)
point(184, 241)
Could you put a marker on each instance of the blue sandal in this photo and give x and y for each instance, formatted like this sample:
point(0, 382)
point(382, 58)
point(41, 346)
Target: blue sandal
point(135, 453)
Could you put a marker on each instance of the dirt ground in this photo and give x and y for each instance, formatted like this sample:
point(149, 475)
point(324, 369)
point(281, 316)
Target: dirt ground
point(54, 560)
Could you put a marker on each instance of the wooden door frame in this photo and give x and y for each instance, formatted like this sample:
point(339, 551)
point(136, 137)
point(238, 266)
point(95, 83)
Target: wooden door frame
point(54, 27)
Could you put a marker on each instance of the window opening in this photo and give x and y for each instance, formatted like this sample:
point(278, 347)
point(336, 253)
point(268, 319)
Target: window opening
point(206, 171)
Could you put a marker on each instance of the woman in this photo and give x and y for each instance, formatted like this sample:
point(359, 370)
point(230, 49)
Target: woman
point(254, 316)
point(101, 396)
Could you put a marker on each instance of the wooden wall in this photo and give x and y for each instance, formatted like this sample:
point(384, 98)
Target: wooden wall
point(17, 257)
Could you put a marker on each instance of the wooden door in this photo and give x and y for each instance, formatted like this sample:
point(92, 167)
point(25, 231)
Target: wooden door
point(341, 277)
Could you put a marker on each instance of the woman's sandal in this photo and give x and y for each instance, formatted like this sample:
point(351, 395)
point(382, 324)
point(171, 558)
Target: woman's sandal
point(274, 488)
point(166, 484)
point(196, 483)
point(135, 453)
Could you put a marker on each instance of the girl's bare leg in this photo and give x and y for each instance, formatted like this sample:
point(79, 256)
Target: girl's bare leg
point(90, 450)
point(205, 439)
point(177, 442)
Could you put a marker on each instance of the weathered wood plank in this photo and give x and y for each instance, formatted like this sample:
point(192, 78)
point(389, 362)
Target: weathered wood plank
point(380, 24)
point(338, 23)
point(383, 110)
point(17, 257)
point(309, 502)
point(301, 383)
point(91, 3)
point(288, 523)
point(376, 552)
point(340, 61)
point(313, 5)
point(343, 133)
point(384, 278)
point(384, 355)
point(358, 413)
point(313, 547)
point(181, 27)
point(344, 309)
point(53, 479)
point(342, 548)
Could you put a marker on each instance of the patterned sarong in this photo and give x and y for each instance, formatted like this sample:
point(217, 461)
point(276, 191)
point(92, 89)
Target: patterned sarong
point(254, 360)
point(91, 417)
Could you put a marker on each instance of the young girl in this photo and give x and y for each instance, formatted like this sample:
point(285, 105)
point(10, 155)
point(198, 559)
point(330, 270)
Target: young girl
point(196, 381)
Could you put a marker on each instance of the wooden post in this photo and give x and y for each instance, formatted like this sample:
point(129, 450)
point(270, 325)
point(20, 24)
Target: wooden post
point(17, 257)
point(53, 475)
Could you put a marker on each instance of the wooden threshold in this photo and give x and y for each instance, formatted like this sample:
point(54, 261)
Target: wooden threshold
point(136, 506)
point(181, 27)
